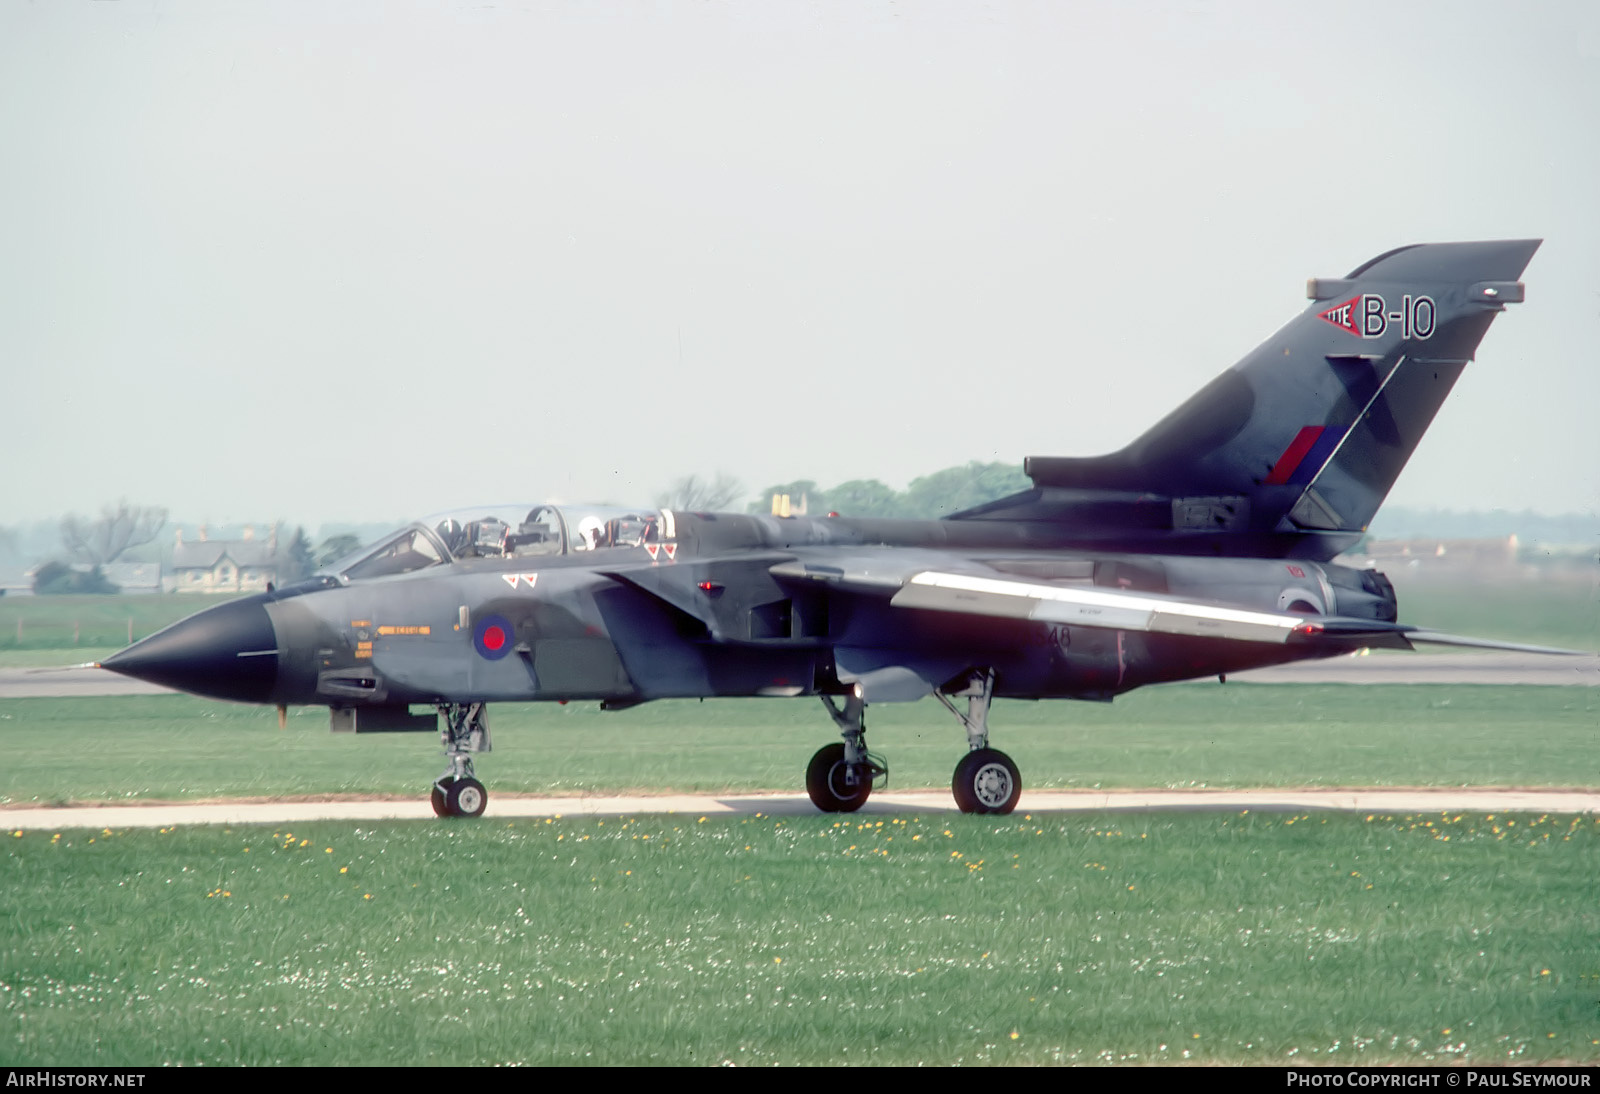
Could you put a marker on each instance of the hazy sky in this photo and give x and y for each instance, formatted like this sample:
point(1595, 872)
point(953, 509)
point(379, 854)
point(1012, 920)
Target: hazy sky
point(359, 261)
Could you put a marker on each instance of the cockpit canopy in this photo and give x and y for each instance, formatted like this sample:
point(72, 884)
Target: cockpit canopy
point(502, 531)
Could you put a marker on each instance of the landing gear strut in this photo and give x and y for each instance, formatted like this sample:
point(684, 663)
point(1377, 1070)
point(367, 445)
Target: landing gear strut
point(466, 730)
point(840, 776)
point(986, 779)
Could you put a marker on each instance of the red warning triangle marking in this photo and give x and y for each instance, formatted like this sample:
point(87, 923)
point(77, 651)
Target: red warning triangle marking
point(654, 549)
point(672, 551)
point(1343, 315)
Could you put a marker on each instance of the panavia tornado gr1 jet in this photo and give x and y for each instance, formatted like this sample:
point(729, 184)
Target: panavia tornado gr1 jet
point(1200, 549)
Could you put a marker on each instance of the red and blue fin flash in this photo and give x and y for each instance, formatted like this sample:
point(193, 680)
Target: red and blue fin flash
point(1311, 448)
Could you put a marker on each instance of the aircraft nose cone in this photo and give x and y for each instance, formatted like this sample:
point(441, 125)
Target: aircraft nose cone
point(226, 652)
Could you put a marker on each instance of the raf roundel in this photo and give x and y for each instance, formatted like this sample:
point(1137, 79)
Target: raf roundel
point(492, 637)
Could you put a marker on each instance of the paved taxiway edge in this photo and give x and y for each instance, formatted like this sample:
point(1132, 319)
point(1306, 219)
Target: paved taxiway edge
point(505, 808)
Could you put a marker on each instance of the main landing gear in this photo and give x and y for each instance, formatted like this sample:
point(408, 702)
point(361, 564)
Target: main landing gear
point(986, 779)
point(840, 776)
point(466, 730)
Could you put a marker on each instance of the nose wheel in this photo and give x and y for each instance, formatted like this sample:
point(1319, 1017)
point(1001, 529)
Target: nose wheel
point(457, 793)
point(453, 797)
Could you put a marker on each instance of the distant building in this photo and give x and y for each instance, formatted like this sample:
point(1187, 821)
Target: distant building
point(134, 578)
point(224, 565)
point(1484, 558)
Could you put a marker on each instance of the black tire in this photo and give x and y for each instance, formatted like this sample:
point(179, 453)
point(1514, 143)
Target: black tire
point(466, 798)
point(440, 803)
point(986, 781)
point(825, 782)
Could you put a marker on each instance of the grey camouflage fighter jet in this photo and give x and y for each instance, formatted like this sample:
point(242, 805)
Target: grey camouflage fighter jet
point(1200, 549)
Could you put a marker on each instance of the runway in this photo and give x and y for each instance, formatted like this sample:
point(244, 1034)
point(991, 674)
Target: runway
point(1378, 668)
point(507, 808)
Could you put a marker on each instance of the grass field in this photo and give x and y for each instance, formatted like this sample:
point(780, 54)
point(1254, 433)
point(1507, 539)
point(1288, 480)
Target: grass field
point(1186, 937)
point(68, 622)
point(1192, 735)
point(1287, 938)
point(1565, 614)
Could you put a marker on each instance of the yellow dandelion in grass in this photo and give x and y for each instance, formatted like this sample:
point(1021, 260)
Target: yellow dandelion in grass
point(1444, 1032)
point(1015, 1035)
point(327, 850)
point(777, 960)
point(344, 869)
point(368, 896)
point(1544, 972)
point(17, 833)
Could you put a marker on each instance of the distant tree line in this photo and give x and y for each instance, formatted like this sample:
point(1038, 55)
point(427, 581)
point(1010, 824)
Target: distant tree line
point(927, 498)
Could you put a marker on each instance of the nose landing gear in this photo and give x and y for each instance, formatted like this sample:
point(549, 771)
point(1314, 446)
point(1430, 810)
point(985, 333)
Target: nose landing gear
point(456, 793)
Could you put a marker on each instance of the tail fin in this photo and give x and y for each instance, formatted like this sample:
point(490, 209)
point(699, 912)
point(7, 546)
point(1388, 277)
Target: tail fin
point(1309, 432)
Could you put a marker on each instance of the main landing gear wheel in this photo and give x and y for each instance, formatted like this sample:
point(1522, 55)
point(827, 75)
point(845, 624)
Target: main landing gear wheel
point(828, 781)
point(986, 781)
